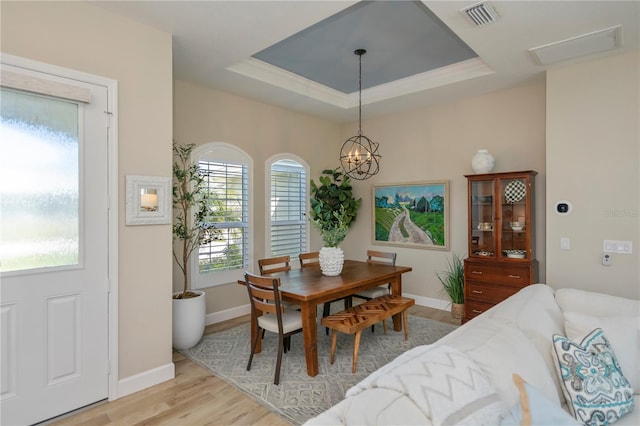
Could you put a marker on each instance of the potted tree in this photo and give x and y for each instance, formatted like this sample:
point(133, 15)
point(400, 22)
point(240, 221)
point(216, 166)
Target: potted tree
point(452, 280)
point(333, 210)
point(190, 204)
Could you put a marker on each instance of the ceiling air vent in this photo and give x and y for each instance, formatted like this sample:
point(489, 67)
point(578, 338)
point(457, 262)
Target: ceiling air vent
point(582, 45)
point(480, 13)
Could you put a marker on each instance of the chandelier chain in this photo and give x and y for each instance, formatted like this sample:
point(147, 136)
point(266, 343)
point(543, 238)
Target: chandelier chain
point(360, 52)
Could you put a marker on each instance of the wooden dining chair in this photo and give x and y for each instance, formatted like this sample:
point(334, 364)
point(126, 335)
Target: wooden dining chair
point(265, 297)
point(274, 264)
point(382, 257)
point(311, 259)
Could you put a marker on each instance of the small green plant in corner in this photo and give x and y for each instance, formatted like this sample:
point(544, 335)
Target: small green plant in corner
point(333, 206)
point(191, 205)
point(452, 279)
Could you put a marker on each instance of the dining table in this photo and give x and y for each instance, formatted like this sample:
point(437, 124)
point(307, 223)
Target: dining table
point(308, 287)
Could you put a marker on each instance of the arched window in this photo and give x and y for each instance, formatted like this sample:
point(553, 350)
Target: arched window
point(288, 227)
point(228, 172)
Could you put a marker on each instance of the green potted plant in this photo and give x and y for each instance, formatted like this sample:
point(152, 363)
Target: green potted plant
point(452, 280)
point(190, 204)
point(333, 211)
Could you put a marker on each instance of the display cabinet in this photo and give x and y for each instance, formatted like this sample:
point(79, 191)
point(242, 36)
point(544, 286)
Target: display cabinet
point(501, 238)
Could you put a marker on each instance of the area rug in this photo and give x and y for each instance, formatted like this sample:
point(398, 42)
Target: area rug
point(299, 397)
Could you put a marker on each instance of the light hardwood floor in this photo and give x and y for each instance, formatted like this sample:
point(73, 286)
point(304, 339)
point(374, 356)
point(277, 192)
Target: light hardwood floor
point(195, 396)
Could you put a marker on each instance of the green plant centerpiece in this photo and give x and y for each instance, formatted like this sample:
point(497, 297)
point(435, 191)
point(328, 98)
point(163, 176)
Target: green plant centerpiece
point(333, 211)
point(452, 280)
point(190, 230)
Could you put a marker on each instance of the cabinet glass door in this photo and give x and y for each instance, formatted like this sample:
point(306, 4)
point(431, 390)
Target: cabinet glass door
point(482, 218)
point(514, 223)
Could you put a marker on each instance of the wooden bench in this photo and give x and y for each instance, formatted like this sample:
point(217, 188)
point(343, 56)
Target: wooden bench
point(360, 317)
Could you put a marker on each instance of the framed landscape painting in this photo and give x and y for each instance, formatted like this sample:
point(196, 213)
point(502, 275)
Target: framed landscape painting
point(412, 215)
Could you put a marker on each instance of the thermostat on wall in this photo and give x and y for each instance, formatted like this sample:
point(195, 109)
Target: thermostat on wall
point(563, 207)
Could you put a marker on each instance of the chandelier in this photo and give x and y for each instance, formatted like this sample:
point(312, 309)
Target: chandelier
point(359, 155)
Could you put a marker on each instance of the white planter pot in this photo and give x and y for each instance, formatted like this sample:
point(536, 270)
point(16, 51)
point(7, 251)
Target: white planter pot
point(189, 317)
point(331, 261)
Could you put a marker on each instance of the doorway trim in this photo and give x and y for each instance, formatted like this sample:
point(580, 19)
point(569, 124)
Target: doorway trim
point(112, 197)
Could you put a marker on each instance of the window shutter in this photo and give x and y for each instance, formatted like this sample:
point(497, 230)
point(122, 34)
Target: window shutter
point(228, 185)
point(288, 204)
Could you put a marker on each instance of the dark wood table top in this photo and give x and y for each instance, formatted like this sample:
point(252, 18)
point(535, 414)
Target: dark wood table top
point(307, 284)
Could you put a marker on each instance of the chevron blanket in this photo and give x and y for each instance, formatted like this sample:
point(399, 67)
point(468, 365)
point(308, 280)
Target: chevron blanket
point(429, 384)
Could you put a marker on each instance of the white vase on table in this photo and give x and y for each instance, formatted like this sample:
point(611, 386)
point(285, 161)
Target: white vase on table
point(331, 260)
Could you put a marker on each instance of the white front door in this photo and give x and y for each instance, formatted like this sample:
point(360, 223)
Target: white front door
point(53, 248)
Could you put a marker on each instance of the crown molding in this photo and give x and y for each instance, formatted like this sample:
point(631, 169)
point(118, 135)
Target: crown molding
point(275, 76)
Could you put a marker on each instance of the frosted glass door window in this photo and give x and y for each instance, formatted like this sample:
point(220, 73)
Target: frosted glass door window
point(39, 182)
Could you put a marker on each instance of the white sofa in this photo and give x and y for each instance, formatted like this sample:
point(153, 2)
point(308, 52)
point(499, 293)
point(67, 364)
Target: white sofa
point(514, 336)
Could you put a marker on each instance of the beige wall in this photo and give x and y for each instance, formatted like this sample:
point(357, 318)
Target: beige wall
point(86, 38)
point(593, 161)
point(203, 115)
point(438, 143)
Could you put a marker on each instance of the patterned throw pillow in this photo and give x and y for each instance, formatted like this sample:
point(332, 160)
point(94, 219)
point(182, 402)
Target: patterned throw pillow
point(596, 390)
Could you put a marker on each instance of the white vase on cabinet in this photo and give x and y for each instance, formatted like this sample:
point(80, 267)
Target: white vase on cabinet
point(483, 161)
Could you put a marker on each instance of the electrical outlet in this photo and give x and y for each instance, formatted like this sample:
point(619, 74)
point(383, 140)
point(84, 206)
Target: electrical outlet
point(606, 259)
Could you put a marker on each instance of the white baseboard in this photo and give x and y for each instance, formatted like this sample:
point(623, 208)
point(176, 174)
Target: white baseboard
point(167, 372)
point(145, 380)
point(429, 302)
point(228, 314)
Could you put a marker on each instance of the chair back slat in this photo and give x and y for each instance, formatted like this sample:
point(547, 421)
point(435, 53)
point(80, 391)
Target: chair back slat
point(311, 259)
point(381, 257)
point(265, 306)
point(274, 264)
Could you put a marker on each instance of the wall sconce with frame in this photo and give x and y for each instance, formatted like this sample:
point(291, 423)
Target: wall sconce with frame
point(148, 200)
